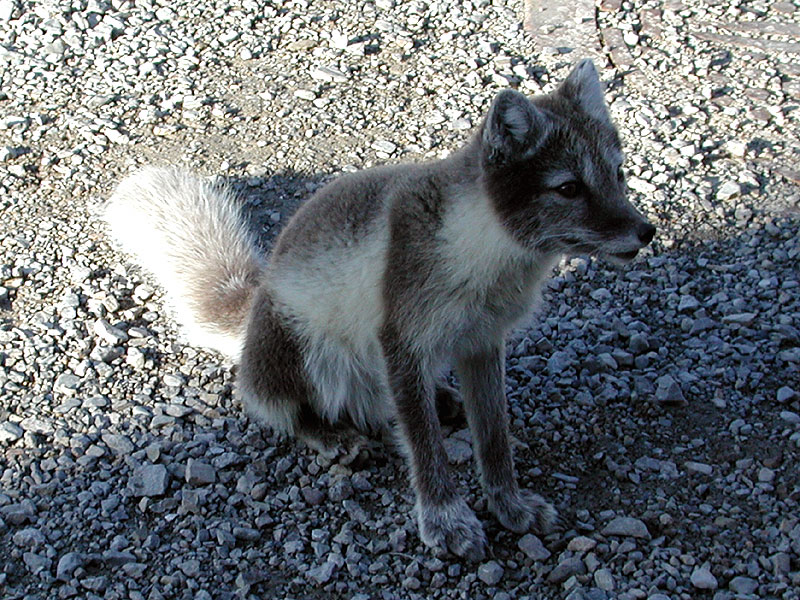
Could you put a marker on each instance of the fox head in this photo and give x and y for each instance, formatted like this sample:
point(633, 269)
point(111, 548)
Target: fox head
point(552, 167)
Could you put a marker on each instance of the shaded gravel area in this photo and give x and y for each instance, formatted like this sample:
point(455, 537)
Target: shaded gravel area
point(657, 406)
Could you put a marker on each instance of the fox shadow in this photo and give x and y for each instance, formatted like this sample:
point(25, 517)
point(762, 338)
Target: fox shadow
point(268, 201)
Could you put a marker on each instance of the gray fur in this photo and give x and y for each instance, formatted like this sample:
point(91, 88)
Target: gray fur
point(386, 278)
point(583, 87)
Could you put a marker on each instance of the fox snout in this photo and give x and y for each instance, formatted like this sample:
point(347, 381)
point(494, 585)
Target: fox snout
point(626, 245)
point(645, 232)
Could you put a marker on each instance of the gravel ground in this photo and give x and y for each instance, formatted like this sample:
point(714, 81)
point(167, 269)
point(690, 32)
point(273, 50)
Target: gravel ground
point(658, 406)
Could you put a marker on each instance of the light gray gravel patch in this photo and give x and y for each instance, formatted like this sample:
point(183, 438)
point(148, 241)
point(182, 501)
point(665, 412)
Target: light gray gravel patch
point(656, 406)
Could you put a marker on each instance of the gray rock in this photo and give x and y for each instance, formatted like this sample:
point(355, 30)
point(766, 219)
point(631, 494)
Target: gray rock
point(36, 563)
point(67, 384)
point(340, 490)
point(398, 539)
point(149, 480)
point(411, 583)
point(790, 417)
point(119, 444)
point(668, 391)
point(178, 410)
point(199, 473)
point(781, 563)
point(330, 74)
point(728, 191)
point(766, 475)
point(566, 569)
point(490, 573)
point(698, 467)
point(109, 334)
point(354, 511)
point(604, 580)
point(95, 584)
point(313, 496)
point(10, 432)
point(533, 548)
point(190, 568)
point(246, 533)
point(647, 463)
point(703, 579)
point(743, 585)
point(601, 294)
point(639, 343)
point(743, 318)
point(67, 565)
point(558, 362)
point(37, 425)
point(360, 482)
point(384, 146)
point(627, 527)
point(688, 303)
point(458, 451)
point(785, 394)
point(172, 380)
point(323, 573)
point(135, 358)
point(246, 483)
point(19, 513)
point(581, 544)
point(29, 537)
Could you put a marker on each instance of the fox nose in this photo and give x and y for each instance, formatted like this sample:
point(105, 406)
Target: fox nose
point(646, 231)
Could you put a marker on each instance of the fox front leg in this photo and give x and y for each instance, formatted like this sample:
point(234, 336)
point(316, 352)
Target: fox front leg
point(483, 389)
point(445, 520)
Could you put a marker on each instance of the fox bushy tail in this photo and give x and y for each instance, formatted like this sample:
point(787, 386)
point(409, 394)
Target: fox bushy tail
point(190, 234)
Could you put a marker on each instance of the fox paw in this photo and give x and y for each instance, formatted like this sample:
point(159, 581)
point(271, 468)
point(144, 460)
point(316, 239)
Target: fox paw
point(453, 527)
point(345, 446)
point(521, 511)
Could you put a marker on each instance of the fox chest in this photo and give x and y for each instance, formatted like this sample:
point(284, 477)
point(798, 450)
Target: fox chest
point(461, 312)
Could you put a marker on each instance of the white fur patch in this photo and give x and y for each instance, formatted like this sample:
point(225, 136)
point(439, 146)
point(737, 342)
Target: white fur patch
point(482, 264)
point(176, 225)
point(278, 413)
point(336, 305)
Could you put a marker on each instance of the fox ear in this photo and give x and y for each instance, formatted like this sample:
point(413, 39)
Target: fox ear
point(514, 127)
point(583, 87)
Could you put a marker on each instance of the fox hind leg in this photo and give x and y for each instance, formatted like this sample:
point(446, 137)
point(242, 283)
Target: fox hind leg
point(272, 382)
point(274, 386)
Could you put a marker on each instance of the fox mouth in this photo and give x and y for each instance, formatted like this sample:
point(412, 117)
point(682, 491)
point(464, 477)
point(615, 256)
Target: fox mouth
point(626, 256)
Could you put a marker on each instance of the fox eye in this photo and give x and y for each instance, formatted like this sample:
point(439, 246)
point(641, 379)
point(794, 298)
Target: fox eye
point(570, 189)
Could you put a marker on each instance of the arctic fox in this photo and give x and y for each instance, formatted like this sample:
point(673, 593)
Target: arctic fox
point(387, 278)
